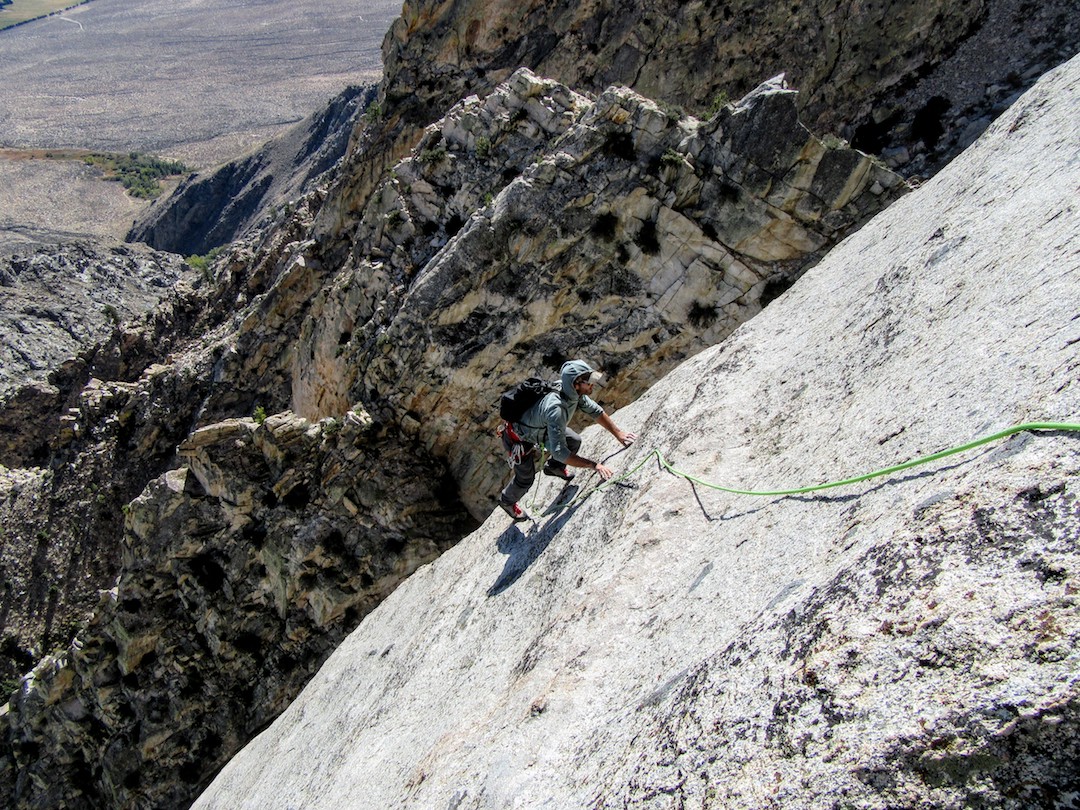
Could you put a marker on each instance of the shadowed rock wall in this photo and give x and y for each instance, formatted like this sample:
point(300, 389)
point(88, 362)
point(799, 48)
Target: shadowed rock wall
point(212, 208)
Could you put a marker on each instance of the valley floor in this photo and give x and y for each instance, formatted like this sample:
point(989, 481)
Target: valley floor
point(18, 12)
point(199, 83)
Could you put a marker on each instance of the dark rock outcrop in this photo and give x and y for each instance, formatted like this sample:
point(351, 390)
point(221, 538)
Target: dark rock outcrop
point(915, 84)
point(79, 445)
point(242, 571)
point(210, 209)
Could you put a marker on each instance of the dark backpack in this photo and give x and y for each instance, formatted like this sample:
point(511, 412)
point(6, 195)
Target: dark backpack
point(514, 403)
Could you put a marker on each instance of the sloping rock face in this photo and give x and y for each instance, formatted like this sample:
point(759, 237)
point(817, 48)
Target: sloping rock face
point(211, 209)
point(909, 641)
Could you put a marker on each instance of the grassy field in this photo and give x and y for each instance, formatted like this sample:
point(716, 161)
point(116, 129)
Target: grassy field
point(21, 11)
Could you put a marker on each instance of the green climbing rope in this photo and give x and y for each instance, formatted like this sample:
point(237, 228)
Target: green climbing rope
point(1001, 434)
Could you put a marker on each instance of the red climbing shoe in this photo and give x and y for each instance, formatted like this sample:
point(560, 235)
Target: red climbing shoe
point(558, 472)
point(514, 511)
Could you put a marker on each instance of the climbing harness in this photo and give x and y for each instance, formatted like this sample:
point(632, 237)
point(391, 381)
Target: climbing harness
point(665, 464)
point(519, 448)
point(516, 454)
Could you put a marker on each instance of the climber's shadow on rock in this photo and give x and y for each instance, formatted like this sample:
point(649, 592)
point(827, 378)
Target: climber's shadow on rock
point(522, 549)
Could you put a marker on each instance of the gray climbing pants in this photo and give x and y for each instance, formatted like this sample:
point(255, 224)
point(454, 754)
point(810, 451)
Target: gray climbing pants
point(525, 469)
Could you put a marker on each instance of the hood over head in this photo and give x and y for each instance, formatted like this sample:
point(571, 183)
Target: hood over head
point(571, 370)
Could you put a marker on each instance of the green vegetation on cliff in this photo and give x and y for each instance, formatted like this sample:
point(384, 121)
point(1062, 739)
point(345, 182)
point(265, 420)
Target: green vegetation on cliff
point(140, 174)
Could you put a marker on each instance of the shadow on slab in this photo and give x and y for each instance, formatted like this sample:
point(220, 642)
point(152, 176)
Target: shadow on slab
point(522, 549)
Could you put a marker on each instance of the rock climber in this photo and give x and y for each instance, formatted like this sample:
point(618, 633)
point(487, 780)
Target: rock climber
point(545, 423)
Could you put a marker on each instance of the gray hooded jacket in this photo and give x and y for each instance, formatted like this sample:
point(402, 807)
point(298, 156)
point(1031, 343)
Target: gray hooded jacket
point(545, 422)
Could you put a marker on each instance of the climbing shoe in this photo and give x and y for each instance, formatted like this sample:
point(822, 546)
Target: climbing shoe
point(514, 511)
point(558, 472)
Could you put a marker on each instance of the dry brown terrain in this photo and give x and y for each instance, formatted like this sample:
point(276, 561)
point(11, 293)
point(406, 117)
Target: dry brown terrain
point(199, 82)
point(44, 199)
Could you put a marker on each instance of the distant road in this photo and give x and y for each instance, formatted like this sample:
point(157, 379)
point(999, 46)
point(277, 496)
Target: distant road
point(68, 19)
point(199, 81)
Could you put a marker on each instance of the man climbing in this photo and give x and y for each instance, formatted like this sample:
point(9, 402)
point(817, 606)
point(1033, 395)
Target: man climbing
point(545, 423)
